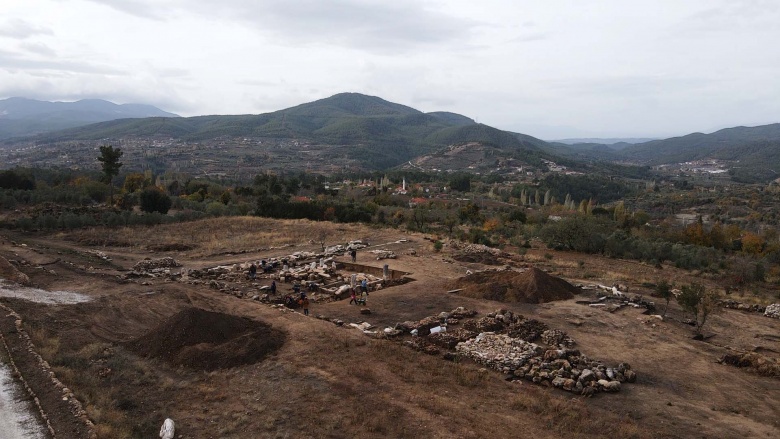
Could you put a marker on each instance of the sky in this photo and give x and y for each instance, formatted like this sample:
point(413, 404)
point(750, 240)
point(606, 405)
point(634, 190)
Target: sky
point(552, 69)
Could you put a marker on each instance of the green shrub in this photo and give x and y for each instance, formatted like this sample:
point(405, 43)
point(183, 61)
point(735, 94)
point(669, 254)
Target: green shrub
point(154, 200)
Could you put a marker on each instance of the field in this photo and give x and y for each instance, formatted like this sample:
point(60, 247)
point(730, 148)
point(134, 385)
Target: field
point(315, 379)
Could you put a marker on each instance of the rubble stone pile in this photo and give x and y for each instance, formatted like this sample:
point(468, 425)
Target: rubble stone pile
point(150, 265)
point(421, 345)
point(733, 304)
point(340, 249)
point(499, 351)
point(566, 369)
point(100, 255)
point(154, 268)
point(474, 248)
point(484, 324)
point(383, 254)
point(556, 337)
point(773, 311)
point(528, 330)
point(759, 363)
point(423, 326)
point(450, 339)
point(504, 341)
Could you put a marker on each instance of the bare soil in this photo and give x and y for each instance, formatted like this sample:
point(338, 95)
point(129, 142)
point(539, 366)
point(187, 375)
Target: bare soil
point(530, 286)
point(329, 381)
point(206, 340)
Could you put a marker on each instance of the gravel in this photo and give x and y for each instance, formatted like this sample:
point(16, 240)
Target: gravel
point(8, 289)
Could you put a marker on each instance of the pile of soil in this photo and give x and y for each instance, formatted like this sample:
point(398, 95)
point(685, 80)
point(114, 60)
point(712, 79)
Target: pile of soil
point(762, 364)
point(206, 340)
point(478, 258)
point(171, 247)
point(530, 286)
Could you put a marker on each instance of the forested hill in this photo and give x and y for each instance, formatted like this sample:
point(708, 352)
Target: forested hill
point(383, 133)
point(752, 153)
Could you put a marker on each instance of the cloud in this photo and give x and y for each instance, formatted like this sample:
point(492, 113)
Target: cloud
point(13, 61)
point(139, 8)
point(21, 29)
point(375, 26)
point(37, 48)
point(731, 15)
point(384, 27)
point(74, 87)
point(530, 37)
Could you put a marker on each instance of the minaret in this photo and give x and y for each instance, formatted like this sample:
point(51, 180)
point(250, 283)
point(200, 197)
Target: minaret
point(404, 184)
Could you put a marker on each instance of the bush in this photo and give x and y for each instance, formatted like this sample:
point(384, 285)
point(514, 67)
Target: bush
point(16, 180)
point(154, 200)
point(437, 246)
point(699, 302)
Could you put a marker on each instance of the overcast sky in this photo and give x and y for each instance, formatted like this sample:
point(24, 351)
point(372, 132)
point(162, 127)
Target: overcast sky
point(552, 69)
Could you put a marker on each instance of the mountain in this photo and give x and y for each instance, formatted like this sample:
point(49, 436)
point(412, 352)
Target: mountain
point(616, 143)
point(753, 152)
point(24, 117)
point(344, 132)
point(360, 130)
point(452, 118)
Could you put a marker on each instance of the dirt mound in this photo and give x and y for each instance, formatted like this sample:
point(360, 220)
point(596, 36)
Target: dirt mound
point(478, 258)
point(762, 364)
point(8, 271)
point(172, 247)
point(200, 339)
point(530, 286)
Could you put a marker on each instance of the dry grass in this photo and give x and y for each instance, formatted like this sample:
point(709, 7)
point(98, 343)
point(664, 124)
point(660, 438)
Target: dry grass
point(227, 235)
point(106, 380)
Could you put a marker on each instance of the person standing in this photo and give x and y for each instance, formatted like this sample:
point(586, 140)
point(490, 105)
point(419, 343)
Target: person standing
point(353, 253)
point(252, 271)
point(273, 287)
point(304, 302)
point(364, 286)
point(352, 297)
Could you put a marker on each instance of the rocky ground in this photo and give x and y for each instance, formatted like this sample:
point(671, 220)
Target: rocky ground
point(509, 366)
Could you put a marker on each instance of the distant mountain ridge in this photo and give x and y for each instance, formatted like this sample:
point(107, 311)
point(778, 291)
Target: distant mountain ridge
point(352, 129)
point(604, 141)
point(24, 117)
point(380, 133)
point(752, 153)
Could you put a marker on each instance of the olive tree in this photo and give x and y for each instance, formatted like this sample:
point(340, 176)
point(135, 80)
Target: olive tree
point(695, 299)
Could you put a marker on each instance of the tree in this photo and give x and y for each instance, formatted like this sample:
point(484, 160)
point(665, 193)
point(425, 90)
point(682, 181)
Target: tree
point(154, 200)
point(109, 157)
point(460, 182)
point(16, 180)
point(419, 217)
point(135, 182)
point(696, 300)
point(664, 291)
point(450, 222)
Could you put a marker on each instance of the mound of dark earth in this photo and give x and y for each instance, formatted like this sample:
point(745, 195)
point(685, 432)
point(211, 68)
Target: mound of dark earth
point(206, 340)
point(530, 286)
point(478, 258)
